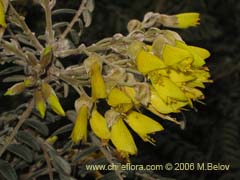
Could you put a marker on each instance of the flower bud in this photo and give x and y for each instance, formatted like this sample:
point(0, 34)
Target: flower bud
point(15, 89)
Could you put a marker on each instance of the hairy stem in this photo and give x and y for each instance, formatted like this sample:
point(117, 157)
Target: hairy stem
point(74, 20)
point(48, 19)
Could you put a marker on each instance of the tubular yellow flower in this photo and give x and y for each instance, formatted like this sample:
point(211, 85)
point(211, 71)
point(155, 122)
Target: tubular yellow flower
point(40, 103)
point(79, 131)
point(122, 139)
point(143, 125)
point(174, 55)
point(185, 20)
point(166, 89)
point(52, 99)
point(99, 125)
point(160, 106)
point(2, 15)
point(116, 97)
point(179, 77)
point(193, 93)
point(15, 89)
point(97, 82)
point(199, 54)
point(147, 62)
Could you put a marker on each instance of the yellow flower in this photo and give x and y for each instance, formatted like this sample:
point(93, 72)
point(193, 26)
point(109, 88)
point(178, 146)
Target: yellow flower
point(143, 125)
point(199, 54)
point(79, 131)
point(52, 99)
point(97, 82)
point(40, 103)
point(147, 62)
point(185, 20)
point(174, 55)
point(122, 139)
point(166, 89)
point(120, 100)
point(99, 125)
point(15, 89)
point(2, 15)
point(52, 139)
point(157, 104)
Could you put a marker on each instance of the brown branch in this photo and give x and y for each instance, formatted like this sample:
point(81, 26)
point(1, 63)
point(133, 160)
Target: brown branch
point(74, 20)
point(26, 29)
point(22, 119)
point(48, 19)
point(47, 158)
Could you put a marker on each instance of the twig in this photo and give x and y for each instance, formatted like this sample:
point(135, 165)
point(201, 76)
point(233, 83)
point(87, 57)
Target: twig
point(48, 19)
point(47, 158)
point(22, 119)
point(74, 20)
point(26, 29)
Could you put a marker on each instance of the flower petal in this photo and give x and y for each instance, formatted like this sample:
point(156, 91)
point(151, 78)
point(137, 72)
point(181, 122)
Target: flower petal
point(147, 62)
point(143, 125)
point(122, 139)
point(52, 99)
point(80, 127)
point(97, 82)
point(99, 125)
point(185, 20)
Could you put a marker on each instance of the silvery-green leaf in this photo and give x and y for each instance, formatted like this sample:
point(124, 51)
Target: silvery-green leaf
point(27, 139)
point(90, 5)
point(7, 171)
point(21, 151)
point(87, 18)
point(60, 25)
point(14, 78)
point(38, 126)
point(60, 164)
point(11, 70)
point(63, 129)
point(63, 11)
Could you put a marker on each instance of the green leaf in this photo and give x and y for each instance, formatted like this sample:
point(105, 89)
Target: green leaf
point(38, 126)
point(7, 171)
point(64, 129)
point(87, 18)
point(90, 5)
point(28, 139)
point(21, 151)
point(60, 164)
point(84, 153)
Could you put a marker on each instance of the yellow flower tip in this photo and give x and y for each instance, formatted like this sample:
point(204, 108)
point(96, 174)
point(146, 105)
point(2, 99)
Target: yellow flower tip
point(97, 82)
point(174, 55)
point(122, 139)
point(117, 97)
point(99, 126)
point(79, 132)
point(2, 15)
point(147, 62)
point(15, 89)
point(167, 89)
point(52, 139)
point(52, 99)
point(143, 125)
point(185, 20)
point(40, 103)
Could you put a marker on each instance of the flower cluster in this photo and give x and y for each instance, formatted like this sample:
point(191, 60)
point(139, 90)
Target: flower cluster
point(173, 71)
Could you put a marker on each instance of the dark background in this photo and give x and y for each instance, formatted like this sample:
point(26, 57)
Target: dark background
point(212, 132)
